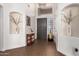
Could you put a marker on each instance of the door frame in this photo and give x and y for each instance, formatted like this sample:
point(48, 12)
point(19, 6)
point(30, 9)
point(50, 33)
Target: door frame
point(46, 25)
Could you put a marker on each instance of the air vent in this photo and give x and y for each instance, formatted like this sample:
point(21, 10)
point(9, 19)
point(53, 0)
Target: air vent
point(44, 11)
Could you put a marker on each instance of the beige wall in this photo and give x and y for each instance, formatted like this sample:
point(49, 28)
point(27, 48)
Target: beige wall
point(75, 22)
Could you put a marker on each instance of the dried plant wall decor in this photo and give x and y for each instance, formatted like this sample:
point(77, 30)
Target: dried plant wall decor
point(15, 20)
point(66, 21)
point(68, 18)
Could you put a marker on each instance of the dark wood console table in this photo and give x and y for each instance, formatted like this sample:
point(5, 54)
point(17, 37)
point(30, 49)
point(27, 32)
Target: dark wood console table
point(30, 38)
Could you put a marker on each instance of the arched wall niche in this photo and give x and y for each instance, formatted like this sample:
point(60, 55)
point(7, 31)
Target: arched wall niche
point(15, 22)
point(70, 20)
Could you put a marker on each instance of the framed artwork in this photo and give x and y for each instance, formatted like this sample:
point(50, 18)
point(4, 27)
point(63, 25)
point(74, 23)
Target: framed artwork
point(28, 21)
point(15, 21)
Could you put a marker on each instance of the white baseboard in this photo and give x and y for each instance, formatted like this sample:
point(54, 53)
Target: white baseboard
point(18, 46)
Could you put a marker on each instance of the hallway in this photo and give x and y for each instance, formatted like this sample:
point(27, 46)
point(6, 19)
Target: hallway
point(39, 48)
